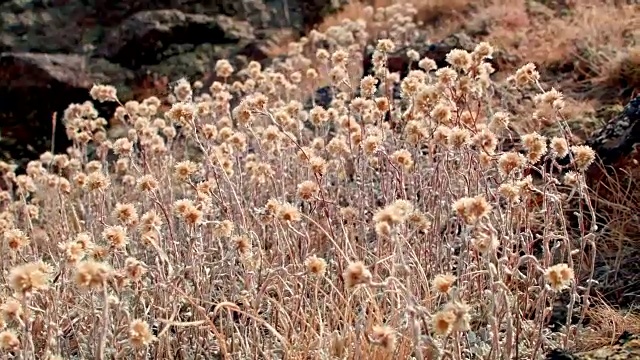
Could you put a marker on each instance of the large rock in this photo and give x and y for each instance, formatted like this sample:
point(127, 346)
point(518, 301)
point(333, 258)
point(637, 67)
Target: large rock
point(54, 50)
point(298, 14)
point(34, 87)
point(616, 141)
point(144, 38)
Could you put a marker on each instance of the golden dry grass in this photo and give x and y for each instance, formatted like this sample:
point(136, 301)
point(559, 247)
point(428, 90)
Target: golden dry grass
point(584, 44)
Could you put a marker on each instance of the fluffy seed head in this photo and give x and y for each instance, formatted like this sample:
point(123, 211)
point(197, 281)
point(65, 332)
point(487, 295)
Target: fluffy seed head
point(559, 276)
point(356, 273)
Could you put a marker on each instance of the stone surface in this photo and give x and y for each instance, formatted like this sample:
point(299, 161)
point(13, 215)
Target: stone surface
point(54, 50)
point(34, 87)
point(147, 36)
point(618, 138)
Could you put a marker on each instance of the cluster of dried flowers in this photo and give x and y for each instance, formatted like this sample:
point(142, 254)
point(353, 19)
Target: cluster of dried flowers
point(240, 191)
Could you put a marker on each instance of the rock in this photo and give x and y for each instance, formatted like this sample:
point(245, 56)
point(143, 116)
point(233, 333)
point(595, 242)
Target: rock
point(616, 141)
point(35, 27)
point(34, 86)
point(144, 38)
point(299, 14)
point(123, 43)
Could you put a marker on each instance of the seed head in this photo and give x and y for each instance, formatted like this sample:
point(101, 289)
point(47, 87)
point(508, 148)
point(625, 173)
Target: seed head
point(184, 169)
point(443, 322)
point(583, 156)
point(288, 213)
point(385, 46)
point(315, 265)
point(147, 183)
point(559, 276)
point(91, 274)
point(134, 269)
point(403, 158)
point(384, 336)
point(526, 75)
point(27, 278)
point(96, 181)
point(560, 147)
point(223, 228)
point(140, 334)
point(125, 213)
point(461, 315)
point(472, 209)
point(355, 274)
point(443, 283)
point(103, 93)
point(116, 236)
point(460, 59)
point(509, 162)
point(307, 190)
point(15, 239)
point(9, 341)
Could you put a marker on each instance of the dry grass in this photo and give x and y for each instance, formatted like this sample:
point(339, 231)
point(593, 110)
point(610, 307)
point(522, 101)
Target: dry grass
point(607, 324)
point(238, 221)
point(587, 47)
point(426, 11)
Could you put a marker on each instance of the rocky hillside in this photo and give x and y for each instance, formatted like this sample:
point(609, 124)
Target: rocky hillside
point(52, 51)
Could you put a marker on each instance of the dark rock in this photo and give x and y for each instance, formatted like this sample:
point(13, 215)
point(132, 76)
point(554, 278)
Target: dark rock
point(298, 14)
point(144, 37)
point(618, 138)
point(559, 354)
point(50, 29)
point(122, 43)
point(34, 87)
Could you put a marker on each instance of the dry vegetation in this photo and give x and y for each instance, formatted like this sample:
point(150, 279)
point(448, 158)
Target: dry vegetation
point(238, 221)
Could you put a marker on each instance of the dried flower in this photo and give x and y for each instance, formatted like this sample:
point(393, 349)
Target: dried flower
point(91, 274)
point(559, 276)
point(126, 214)
point(27, 278)
point(15, 239)
point(509, 162)
point(560, 147)
point(96, 181)
point(443, 283)
point(134, 268)
point(315, 265)
point(583, 156)
point(184, 169)
point(116, 236)
point(140, 334)
point(461, 315)
point(9, 341)
point(355, 274)
point(443, 322)
point(403, 158)
point(223, 228)
point(288, 212)
point(459, 59)
point(307, 190)
point(472, 209)
point(384, 336)
point(147, 183)
point(526, 75)
point(103, 93)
